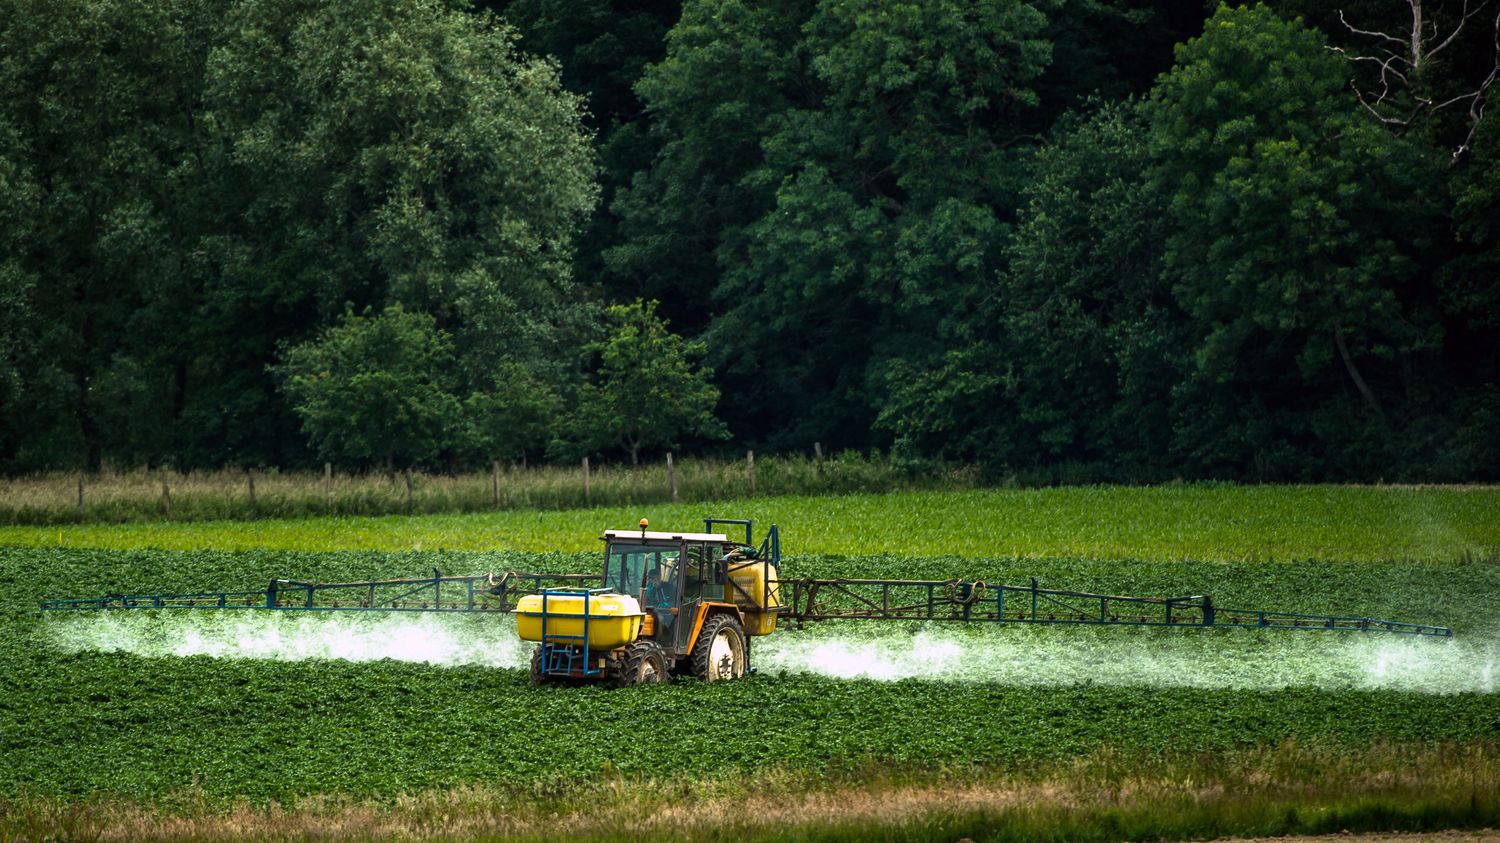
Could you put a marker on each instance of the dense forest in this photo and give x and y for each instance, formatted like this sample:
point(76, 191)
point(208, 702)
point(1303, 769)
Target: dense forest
point(1124, 240)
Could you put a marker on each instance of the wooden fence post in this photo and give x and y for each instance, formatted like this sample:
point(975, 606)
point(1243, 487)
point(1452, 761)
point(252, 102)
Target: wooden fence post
point(818, 451)
point(327, 487)
point(672, 477)
point(585, 481)
point(408, 490)
point(166, 499)
point(80, 494)
point(250, 483)
point(750, 469)
point(495, 484)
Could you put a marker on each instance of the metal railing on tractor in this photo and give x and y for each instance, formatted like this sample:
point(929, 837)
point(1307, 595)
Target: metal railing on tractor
point(561, 652)
point(963, 600)
point(769, 551)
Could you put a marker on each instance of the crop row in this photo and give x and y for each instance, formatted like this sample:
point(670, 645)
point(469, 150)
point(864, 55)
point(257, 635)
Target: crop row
point(1218, 523)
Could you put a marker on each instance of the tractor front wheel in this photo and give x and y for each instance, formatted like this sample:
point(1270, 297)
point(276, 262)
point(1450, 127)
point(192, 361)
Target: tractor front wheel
point(720, 653)
point(645, 663)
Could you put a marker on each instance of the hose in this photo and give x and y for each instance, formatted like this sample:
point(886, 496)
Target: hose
point(976, 591)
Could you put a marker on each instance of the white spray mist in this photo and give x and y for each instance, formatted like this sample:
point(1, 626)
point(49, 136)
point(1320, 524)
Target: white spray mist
point(1008, 655)
point(443, 640)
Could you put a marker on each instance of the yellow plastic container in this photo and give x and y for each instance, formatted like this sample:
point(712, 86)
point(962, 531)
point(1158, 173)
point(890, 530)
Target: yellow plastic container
point(753, 595)
point(614, 620)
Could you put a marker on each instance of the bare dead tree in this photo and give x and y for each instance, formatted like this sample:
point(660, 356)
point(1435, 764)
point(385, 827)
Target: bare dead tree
point(1397, 98)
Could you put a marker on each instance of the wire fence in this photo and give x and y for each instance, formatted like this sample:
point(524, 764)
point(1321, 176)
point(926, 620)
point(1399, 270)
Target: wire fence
point(247, 493)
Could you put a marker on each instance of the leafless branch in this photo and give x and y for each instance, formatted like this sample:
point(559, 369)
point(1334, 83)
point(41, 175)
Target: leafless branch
point(1398, 67)
point(1352, 29)
point(1463, 19)
point(1477, 104)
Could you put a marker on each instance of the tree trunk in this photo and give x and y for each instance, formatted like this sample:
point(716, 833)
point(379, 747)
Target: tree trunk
point(1354, 375)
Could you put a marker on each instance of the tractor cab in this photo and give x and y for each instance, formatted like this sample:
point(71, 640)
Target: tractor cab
point(670, 602)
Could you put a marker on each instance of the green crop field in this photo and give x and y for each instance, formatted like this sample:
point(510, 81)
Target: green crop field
point(1216, 523)
point(428, 725)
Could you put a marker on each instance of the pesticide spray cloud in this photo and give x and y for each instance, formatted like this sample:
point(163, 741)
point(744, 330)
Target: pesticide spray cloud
point(1238, 659)
point(431, 639)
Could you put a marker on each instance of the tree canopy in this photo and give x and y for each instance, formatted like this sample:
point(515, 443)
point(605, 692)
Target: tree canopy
point(646, 391)
point(1064, 239)
point(210, 182)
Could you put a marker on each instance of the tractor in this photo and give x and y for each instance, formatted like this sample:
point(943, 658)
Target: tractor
point(671, 603)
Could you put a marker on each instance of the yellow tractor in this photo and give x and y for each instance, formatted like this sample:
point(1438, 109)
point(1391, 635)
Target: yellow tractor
point(671, 603)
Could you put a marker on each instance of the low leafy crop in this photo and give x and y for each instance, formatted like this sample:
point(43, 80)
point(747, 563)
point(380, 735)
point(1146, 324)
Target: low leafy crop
point(1216, 523)
point(75, 721)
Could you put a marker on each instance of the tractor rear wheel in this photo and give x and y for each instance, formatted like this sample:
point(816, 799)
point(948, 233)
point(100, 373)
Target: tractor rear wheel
point(537, 676)
point(720, 653)
point(645, 663)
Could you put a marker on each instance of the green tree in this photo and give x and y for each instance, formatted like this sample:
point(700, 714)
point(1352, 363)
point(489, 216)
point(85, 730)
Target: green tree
point(1299, 235)
point(646, 391)
point(512, 413)
point(1096, 334)
point(96, 121)
point(207, 181)
point(381, 152)
point(830, 174)
point(731, 67)
point(376, 390)
point(1469, 285)
point(1071, 355)
point(602, 48)
point(1073, 349)
point(17, 291)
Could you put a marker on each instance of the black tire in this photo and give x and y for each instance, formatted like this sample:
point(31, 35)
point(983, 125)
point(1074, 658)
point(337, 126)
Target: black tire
point(720, 652)
point(645, 664)
point(537, 677)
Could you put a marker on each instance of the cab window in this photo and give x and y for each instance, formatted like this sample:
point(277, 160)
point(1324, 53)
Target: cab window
point(701, 577)
point(627, 567)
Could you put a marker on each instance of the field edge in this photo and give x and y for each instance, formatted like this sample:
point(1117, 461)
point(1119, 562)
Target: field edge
point(1290, 789)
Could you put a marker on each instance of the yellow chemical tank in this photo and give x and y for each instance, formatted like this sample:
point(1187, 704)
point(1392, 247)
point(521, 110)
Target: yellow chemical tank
point(755, 590)
point(614, 619)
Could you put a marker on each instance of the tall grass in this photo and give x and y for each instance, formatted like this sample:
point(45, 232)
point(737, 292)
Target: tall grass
point(1288, 789)
point(153, 495)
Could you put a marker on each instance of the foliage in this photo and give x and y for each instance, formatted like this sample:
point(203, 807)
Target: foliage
point(1151, 274)
point(603, 47)
point(1267, 150)
point(863, 173)
point(1012, 232)
point(1214, 523)
point(1083, 303)
point(514, 410)
point(214, 181)
point(646, 392)
point(375, 390)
